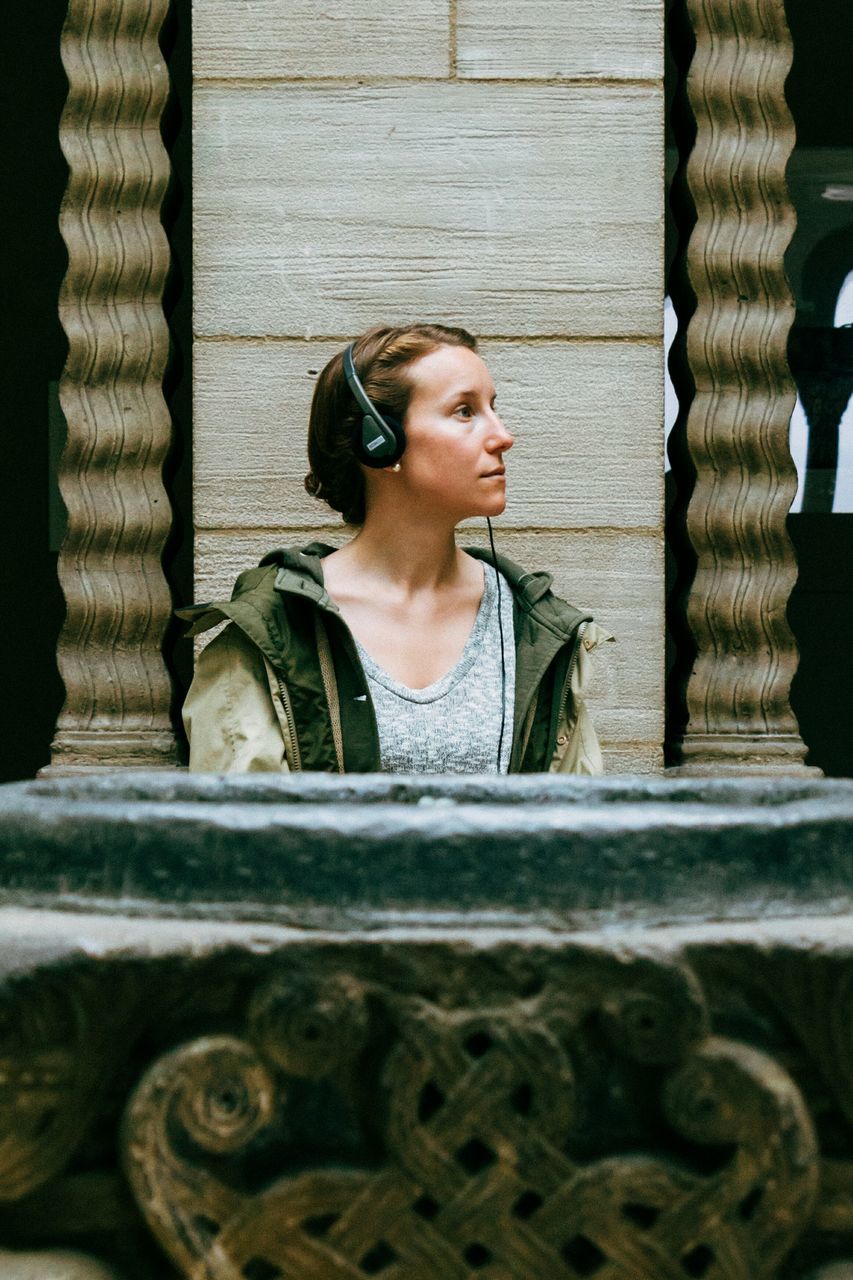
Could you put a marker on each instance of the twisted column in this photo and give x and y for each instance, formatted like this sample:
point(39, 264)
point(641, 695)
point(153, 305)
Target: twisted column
point(118, 691)
point(736, 427)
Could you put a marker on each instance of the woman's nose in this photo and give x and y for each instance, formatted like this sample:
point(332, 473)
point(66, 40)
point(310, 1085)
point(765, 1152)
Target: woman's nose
point(501, 434)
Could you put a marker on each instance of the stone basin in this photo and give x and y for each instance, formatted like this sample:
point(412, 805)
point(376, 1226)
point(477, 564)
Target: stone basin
point(373, 850)
point(533, 1027)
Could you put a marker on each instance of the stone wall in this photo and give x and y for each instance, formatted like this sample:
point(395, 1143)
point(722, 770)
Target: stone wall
point(494, 165)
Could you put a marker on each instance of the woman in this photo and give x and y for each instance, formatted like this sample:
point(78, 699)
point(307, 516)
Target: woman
point(399, 651)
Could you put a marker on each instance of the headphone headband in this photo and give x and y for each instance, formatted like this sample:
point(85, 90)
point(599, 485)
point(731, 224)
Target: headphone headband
point(379, 440)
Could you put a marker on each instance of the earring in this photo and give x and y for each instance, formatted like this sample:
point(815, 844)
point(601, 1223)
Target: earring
point(396, 466)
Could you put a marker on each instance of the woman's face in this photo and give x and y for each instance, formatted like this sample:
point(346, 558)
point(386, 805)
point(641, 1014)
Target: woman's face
point(455, 440)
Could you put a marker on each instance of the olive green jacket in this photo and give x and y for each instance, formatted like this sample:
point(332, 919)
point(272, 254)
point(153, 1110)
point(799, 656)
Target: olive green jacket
point(282, 688)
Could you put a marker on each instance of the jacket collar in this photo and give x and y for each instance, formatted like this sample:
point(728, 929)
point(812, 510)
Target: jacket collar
point(300, 571)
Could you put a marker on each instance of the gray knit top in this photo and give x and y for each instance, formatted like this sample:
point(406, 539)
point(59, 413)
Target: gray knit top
point(454, 724)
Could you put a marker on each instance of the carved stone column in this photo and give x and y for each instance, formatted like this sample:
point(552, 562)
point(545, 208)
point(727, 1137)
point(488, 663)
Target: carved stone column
point(737, 396)
point(117, 688)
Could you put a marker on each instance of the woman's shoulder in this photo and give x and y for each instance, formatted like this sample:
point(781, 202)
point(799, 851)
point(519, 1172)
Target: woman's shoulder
point(294, 567)
point(533, 593)
point(251, 587)
point(256, 605)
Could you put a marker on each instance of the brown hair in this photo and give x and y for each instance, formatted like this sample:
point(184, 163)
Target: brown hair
point(381, 356)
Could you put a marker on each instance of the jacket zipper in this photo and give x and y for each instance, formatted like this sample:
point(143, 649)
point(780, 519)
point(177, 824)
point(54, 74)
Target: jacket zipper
point(572, 664)
point(295, 754)
point(531, 714)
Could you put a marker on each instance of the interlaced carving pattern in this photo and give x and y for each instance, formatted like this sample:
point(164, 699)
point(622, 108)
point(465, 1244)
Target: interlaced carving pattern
point(468, 1124)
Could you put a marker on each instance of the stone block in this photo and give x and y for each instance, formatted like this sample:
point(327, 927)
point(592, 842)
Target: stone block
point(572, 39)
point(297, 39)
point(309, 1025)
point(512, 209)
point(374, 851)
point(51, 1266)
point(644, 759)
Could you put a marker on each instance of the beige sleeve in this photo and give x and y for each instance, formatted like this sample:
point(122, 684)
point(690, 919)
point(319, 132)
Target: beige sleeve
point(593, 636)
point(229, 714)
point(578, 749)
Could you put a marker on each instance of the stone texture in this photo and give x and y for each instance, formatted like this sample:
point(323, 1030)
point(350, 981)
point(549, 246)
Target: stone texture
point(51, 1266)
point(327, 852)
point(587, 419)
point(572, 39)
point(643, 759)
point(526, 1090)
point(297, 39)
point(497, 1053)
point(446, 201)
point(476, 1109)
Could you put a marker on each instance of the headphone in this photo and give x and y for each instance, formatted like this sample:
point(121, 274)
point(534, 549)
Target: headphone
point(380, 441)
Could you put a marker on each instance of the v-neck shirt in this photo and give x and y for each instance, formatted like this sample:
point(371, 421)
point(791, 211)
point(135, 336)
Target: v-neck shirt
point(454, 724)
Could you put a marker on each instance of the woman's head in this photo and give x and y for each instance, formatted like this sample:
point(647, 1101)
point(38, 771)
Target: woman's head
point(409, 371)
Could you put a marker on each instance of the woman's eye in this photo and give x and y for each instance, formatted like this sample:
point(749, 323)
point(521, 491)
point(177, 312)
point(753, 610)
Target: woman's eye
point(466, 408)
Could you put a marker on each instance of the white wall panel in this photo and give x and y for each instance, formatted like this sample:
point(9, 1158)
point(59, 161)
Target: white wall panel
point(344, 176)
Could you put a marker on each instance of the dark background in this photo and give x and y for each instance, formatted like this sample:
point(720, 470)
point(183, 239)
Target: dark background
point(32, 352)
point(821, 607)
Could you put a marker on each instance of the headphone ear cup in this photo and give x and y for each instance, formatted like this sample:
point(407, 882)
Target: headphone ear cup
point(379, 443)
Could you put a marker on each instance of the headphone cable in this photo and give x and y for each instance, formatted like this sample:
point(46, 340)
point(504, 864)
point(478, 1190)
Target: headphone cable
point(503, 656)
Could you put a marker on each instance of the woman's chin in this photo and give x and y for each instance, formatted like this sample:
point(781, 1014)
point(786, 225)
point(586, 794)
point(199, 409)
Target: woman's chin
point(498, 505)
point(490, 506)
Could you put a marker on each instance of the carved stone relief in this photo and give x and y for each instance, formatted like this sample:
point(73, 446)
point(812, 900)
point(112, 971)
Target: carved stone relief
point(475, 1134)
point(398, 1109)
point(58, 1054)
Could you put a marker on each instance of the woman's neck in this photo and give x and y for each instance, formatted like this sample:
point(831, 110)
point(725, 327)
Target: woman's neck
point(408, 556)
